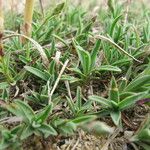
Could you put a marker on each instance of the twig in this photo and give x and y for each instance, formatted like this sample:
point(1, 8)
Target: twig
point(10, 120)
point(117, 46)
point(76, 144)
point(71, 142)
point(57, 81)
point(68, 89)
point(36, 44)
point(105, 146)
point(127, 11)
point(1, 28)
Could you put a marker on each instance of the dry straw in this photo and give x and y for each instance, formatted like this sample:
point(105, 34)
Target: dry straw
point(1, 28)
point(28, 14)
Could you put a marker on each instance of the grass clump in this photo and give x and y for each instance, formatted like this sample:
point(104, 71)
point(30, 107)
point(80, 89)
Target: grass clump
point(77, 72)
point(1, 28)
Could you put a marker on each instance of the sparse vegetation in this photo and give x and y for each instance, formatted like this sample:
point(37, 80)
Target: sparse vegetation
point(67, 73)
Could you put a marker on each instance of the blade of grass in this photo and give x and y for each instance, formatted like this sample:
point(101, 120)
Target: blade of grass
point(117, 46)
point(1, 28)
point(36, 44)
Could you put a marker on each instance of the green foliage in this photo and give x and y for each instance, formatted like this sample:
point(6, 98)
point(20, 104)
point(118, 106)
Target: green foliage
point(43, 75)
point(120, 101)
point(78, 106)
point(142, 136)
point(9, 139)
point(33, 123)
point(108, 73)
point(88, 63)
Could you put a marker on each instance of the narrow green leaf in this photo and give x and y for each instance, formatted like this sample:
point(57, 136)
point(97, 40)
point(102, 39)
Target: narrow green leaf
point(42, 116)
point(71, 105)
point(4, 85)
point(114, 92)
point(43, 75)
point(131, 100)
point(117, 46)
point(144, 135)
point(37, 45)
point(21, 109)
point(83, 119)
point(121, 62)
point(108, 68)
point(29, 113)
point(47, 130)
point(85, 59)
point(113, 25)
point(116, 117)
point(124, 95)
point(78, 98)
point(78, 71)
point(14, 109)
point(88, 26)
point(27, 131)
point(52, 67)
point(95, 52)
point(45, 39)
point(60, 39)
point(58, 9)
point(71, 79)
point(68, 128)
point(118, 34)
point(24, 59)
point(137, 83)
point(104, 102)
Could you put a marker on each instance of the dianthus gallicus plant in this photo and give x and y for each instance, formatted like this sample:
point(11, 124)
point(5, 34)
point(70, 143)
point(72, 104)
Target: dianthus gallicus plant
point(1, 28)
point(123, 97)
point(87, 67)
point(28, 14)
point(142, 135)
point(79, 106)
point(105, 57)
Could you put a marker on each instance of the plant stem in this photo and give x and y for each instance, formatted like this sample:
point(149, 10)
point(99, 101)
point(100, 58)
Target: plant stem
point(1, 28)
point(127, 11)
point(57, 80)
point(28, 14)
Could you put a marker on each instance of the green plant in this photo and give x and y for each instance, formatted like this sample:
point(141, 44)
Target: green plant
point(118, 102)
point(33, 123)
point(69, 126)
point(1, 28)
point(6, 70)
point(9, 139)
point(142, 135)
point(88, 63)
point(77, 106)
point(36, 99)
